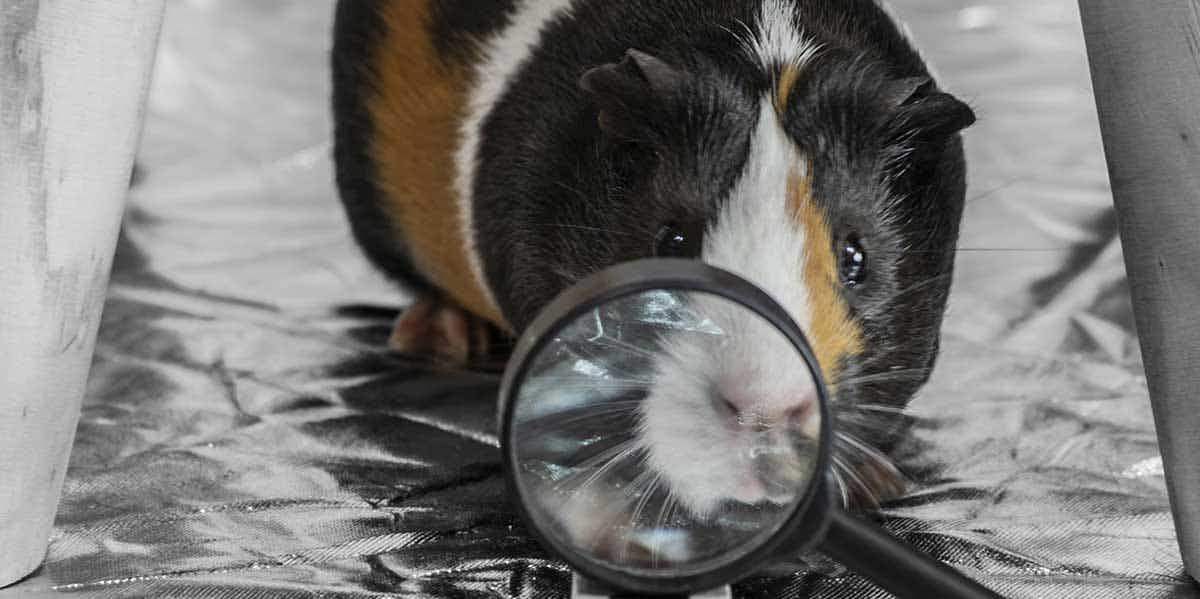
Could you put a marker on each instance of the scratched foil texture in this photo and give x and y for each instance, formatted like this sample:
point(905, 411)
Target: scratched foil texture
point(245, 436)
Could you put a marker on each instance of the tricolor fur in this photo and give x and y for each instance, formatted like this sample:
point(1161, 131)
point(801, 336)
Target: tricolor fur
point(497, 152)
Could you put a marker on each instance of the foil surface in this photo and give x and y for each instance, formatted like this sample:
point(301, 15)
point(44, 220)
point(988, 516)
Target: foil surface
point(245, 435)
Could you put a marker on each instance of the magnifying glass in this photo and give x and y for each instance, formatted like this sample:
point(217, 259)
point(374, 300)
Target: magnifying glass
point(666, 431)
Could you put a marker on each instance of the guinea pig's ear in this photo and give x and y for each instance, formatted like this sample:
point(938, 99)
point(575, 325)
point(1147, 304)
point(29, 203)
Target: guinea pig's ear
point(903, 91)
point(923, 112)
point(632, 94)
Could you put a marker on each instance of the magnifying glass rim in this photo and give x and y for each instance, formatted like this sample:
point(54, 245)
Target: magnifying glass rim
point(625, 280)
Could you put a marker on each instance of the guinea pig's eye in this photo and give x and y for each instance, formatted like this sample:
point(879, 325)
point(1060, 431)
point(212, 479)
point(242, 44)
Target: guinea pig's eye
point(853, 262)
point(675, 241)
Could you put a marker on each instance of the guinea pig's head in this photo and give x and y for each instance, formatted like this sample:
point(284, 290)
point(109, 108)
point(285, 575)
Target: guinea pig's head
point(827, 179)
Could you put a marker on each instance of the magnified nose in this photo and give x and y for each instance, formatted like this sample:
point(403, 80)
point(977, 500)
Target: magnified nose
point(644, 440)
point(763, 413)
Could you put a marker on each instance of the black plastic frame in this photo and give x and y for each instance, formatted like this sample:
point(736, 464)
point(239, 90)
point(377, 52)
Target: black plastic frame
point(801, 529)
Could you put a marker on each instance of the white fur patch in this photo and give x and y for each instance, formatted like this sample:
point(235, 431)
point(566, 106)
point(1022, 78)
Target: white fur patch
point(779, 39)
point(755, 236)
point(503, 56)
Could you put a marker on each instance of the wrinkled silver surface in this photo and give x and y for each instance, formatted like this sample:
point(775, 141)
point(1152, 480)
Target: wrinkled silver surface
point(245, 437)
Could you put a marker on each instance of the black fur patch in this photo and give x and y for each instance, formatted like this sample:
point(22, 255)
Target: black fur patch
point(458, 25)
point(554, 190)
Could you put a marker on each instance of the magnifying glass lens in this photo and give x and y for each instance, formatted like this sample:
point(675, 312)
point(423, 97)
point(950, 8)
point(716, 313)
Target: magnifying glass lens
point(665, 433)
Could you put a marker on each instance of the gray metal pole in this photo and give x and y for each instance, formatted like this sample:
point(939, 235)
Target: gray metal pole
point(1145, 62)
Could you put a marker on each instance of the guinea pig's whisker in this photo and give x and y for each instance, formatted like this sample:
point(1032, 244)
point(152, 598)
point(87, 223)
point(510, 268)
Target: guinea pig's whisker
point(840, 481)
point(863, 419)
point(869, 452)
point(601, 464)
point(603, 458)
point(918, 286)
point(886, 377)
point(883, 378)
point(630, 453)
point(608, 385)
point(876, 407)
point(620, 406)
point(586, 228)
point(650, 485)
point(639, 492)
point(922, 284)
point(591, 417)
point(616, 406)
point(625, 402)
point(745, 40)
point(665, 511)
point(621, 388)
point(839, 463)
point(647, 483)
point(590, 382)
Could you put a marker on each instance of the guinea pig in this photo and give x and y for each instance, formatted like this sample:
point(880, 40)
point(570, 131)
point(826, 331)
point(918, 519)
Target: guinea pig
point(490, 154)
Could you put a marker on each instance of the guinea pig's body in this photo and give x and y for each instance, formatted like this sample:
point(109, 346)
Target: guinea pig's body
point(492, 153)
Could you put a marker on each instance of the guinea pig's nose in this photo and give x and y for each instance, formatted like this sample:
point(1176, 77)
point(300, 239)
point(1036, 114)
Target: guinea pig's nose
point(766, 411)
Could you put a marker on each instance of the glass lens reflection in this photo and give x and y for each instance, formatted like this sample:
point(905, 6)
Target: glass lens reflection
point(666, 433)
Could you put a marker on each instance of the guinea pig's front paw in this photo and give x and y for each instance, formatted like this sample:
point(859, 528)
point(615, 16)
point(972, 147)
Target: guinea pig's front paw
point(436, 327)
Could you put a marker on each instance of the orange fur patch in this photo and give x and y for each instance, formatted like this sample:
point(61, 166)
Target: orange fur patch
point(834, 334)
point(419, 103)
point(784, 85)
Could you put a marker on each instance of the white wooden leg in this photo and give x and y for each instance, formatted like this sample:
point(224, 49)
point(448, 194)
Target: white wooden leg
point(73, 78)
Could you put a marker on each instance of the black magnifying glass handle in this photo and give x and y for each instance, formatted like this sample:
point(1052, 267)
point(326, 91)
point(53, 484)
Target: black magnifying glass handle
point(892, 564)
